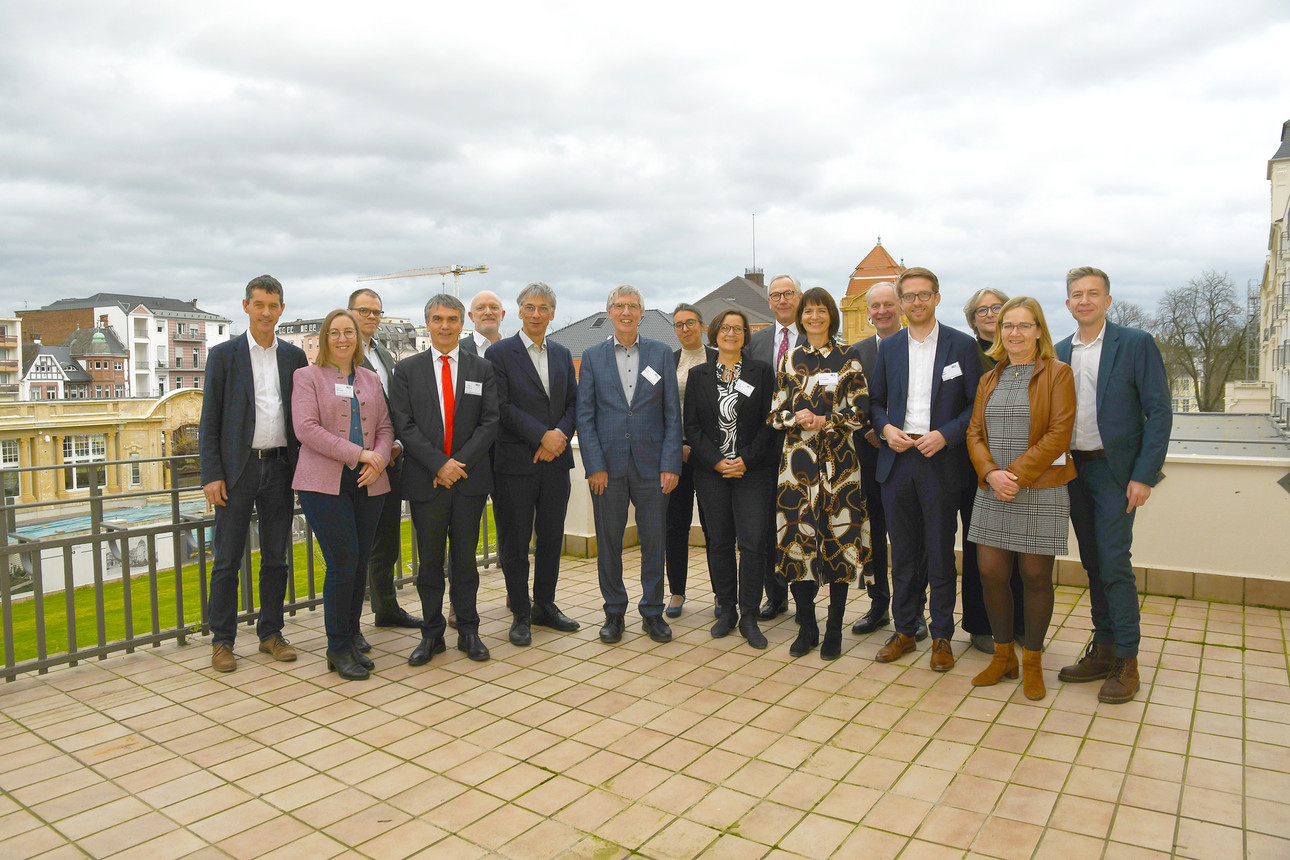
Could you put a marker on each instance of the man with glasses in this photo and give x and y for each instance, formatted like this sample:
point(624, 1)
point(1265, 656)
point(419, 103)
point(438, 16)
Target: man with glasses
point(629, 424)
point(538, 392)
point(367, 306)
point(921, 396)
point(770, 345)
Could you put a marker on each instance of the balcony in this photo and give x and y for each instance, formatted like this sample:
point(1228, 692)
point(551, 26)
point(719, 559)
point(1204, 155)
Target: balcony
point(197, 337)
point(10, 365)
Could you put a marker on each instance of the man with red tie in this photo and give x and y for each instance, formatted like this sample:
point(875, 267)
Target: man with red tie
point(445, 410)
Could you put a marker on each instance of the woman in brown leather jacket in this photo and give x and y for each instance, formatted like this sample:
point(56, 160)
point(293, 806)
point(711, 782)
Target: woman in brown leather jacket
point(1019, 440)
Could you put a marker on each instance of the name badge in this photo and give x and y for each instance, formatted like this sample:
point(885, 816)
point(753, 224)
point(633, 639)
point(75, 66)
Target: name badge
point(744, 388)
point(651, 375)
point(344, 390)
point(827, 378)
point(475, 388)
point(951, 371)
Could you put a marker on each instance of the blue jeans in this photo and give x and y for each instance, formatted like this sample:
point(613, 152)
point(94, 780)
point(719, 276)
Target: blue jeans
point(610, 509)
point(1105, 535)
point(344, 526)
point(735, 510)
point(265, 486)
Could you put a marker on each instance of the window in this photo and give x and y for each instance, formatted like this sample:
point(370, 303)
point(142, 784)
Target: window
point(9, 460)
point(136, 476)
point(220, 328)
point(117, 366)
point(179, 361)
point(120, 391)
point(98, 391)
point(78, 452)
point(195, 362)
point(197, 382)
point(51, 392)
point(179, 382)
point(161, 327)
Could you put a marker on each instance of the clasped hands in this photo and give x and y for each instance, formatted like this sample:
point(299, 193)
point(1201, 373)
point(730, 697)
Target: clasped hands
point(372, 465)
point(553, 444)
point(899, 441)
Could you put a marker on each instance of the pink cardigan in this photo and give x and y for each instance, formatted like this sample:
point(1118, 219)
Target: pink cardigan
point(321, 421)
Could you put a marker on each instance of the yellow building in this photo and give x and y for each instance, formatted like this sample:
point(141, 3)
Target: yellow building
point(877, 267)
point(76, 433)
point(1274, 295)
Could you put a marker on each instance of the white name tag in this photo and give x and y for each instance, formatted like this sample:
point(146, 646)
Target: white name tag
point(951, 371)
point(1061, 459)
point(344, 390)
point(651, 375)
point(475, 388)
point(743, 388)
point(827, 378)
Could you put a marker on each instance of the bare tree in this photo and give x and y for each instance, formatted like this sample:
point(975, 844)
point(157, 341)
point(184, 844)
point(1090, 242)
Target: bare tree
point(1131, 315)
point(1202, 330)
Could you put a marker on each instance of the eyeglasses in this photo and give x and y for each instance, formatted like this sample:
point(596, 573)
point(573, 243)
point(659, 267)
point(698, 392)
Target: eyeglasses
point(1023, 328)
point(731, 329)
point(924, 296)
point(337, 334)
point(368, 312)
point(529, 310)
point(624, 307)
point(782, 296)
point(986, 310)
point(685, 324)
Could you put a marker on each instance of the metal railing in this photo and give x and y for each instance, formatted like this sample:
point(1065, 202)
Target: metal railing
point(34, 536)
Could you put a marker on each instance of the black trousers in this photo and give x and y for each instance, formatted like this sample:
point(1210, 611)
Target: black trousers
point(383, 566)
point(880, 591)
point(449, 522)
point(680, 516)
point(734, 512)
point(522, 506)
point(921, 515)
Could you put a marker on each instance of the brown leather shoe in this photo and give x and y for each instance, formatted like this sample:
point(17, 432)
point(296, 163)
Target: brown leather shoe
point(1122, 684)
point(222, 659)
point(942, 657)
point(280, 648)
point(896, 646)
point(1093, 666)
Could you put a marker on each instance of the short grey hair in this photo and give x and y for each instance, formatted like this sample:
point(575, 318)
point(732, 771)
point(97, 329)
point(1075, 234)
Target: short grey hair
point(1083, 272)
point(969, 308)
point(797, 285)
point(686, 306)
point(888, 284)
point(625, 290)
point(444, 300)
point(539, 289)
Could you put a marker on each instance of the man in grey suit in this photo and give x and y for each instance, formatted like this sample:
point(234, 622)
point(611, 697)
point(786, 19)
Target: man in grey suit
point(629, 421)
point(770, 345)
point(486, 315)
point(367, 306)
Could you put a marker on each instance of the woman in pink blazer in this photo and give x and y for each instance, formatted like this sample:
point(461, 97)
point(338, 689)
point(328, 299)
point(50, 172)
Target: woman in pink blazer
point(340, 417)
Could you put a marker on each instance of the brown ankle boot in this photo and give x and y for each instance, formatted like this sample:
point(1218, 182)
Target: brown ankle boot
point(1004, 665)
point(1032, 674)
point(1122, 684)
point(1093, 666)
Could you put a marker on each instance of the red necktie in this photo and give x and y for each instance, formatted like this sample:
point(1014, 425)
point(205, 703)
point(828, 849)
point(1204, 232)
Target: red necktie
point(783, 349)
point(448, 404)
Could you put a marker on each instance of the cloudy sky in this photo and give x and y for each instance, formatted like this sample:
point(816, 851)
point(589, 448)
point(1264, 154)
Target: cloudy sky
point(180, 149)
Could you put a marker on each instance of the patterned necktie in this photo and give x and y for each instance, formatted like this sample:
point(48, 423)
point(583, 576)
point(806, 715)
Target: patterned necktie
point(448, 405)
point(783, 350)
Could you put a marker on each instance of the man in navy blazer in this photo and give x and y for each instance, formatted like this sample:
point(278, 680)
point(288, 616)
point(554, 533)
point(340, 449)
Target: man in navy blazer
point(538, 392)
point(1123, 418)
point(629, 424)
point(446, 470)
point(921, 396)
point(248, 455)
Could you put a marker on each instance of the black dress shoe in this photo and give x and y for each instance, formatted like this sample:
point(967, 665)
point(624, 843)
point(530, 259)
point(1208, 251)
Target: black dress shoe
point(398, 618)
point(472, 646)
point(549, 615)
point(344, 664)
point(920, 629)
point(363, 645)
point(613, 630)
point(727, 620)
point(771, 610)
point(365, 662)
point(521, 633)
point(875, 618)
point(428, 648)
point(657, 628)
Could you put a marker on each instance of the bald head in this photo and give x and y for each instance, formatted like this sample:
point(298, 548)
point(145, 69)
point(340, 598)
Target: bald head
point(486, 314)
point(884, 308)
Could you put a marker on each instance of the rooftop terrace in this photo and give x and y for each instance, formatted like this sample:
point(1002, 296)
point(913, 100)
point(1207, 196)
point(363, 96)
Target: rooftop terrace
point(695, 748)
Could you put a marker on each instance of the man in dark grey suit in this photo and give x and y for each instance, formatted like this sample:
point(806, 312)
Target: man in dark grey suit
point(486, 315)
point(367, 306)
point(770, 345)
point(444, 406)
point(248, 455)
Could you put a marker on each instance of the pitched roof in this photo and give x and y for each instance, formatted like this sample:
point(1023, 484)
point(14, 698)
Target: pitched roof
point(1283, 151)
point(591, 330)
point(158, 305)
point(95, 341)
point(876, 267)
point(739, 292)
point(72, 369)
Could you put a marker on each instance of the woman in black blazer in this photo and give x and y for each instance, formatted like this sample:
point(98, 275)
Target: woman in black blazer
point(727, 400)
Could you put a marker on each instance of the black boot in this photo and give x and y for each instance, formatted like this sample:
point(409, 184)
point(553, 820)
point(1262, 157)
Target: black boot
point(727, 620)
point(363, 659)
point(808, 629)
point(750, 630)
point(343, 663)
point(831, 648)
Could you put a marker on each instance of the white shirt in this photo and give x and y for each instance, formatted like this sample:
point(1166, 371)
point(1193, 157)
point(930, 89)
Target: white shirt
point(537, 355)
point(378, 365)
point(270, 416)
point(481, 343)
point(1086, 359)
point(438, 377)
point(918, 403)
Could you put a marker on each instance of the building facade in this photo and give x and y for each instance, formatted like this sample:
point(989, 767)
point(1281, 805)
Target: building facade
point(10, 358)
point(1274, 293)
point(877, 267)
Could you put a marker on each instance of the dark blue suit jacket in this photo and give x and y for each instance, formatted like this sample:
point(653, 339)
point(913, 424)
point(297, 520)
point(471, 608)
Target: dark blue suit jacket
point(952, 400)
point(228, 407)
point(611, 432)
point(527, 411)
point(1134, 410)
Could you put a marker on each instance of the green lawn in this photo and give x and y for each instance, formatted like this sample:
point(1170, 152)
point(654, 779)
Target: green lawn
point(114, 601)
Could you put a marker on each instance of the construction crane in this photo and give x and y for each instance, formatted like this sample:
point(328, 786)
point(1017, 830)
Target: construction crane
point(455, 271)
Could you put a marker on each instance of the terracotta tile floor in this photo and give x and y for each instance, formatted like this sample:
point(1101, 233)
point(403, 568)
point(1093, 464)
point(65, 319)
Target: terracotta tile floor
point(695, 748)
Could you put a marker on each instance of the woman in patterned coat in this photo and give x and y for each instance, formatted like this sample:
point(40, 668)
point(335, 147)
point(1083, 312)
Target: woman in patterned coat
point(820, 399)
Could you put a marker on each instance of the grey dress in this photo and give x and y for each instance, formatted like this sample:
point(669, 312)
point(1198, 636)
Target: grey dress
point(1036, 520)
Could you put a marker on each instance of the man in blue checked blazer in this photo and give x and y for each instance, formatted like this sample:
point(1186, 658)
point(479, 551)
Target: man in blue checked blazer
point(629, 424)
